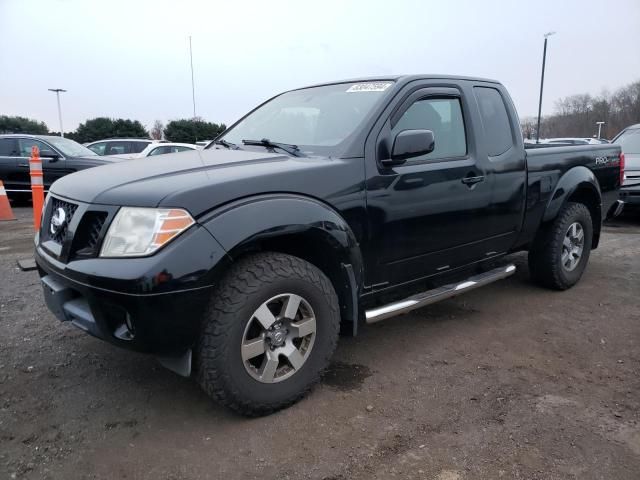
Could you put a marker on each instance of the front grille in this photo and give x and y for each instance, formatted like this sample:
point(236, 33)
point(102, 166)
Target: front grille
point(87, 236)
point(73, 231)
point(58, 235)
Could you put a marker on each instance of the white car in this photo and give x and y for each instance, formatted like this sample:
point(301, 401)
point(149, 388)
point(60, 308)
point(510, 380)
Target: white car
point(162, 148)
point(120, 146)
point(629, 141)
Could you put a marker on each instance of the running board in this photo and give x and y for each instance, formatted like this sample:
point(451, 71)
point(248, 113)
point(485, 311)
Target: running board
point(432, 296)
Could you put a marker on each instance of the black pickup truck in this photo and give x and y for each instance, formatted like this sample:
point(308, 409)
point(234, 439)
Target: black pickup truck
point(323, 209)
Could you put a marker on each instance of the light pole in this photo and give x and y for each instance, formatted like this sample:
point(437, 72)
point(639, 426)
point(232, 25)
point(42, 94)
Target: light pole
point(58, 90)
point(599, 128)
point(193, 88)
point(544, 59)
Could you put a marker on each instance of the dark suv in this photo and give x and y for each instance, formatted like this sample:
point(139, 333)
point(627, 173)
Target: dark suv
point(60, 156)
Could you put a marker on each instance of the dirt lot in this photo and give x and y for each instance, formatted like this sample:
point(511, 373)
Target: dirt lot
point(509, 381)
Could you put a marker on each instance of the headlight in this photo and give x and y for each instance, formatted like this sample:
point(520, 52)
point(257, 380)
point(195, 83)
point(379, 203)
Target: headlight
point(137, 232)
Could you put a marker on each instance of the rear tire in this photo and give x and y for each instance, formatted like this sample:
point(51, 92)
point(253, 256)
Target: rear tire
point(561, 252)
point(270, 330)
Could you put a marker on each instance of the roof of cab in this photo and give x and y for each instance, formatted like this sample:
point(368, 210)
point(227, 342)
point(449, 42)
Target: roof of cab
point(401, 79)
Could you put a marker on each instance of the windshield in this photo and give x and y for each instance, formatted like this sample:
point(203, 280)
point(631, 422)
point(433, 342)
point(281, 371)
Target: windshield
point(312, 118)
point(70, 148)
point(629, 141)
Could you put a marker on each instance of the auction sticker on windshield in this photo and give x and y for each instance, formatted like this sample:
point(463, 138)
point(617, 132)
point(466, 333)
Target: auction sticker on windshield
point(369, 87)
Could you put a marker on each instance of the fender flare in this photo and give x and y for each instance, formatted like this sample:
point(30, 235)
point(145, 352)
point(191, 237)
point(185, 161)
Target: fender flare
point(243, 224)
point(569, 183)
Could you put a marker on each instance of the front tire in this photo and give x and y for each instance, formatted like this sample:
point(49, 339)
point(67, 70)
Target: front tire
point(269, 332)
point(561, 252)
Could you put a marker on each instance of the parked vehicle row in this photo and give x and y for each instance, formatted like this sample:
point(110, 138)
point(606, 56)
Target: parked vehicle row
point(61, 156)
point(120, 146)
point(324, 209)
point(129, 148)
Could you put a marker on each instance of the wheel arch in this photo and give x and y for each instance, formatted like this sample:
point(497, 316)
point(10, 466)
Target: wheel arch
point(579, 185)
point(300, 226)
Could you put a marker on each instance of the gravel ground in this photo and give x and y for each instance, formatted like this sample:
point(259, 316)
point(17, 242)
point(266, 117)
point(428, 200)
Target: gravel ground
point(508, 381)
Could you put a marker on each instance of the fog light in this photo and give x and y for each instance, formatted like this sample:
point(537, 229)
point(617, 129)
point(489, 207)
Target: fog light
point(129, 325)
point(125, 331)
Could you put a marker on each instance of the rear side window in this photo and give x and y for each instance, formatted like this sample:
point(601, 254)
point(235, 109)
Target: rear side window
point(98, 148)
point(159, 151)
point(443, 116)
point(137, 147)
point(27, 143)
point(8, 147)
point(495, 120)
point(629, 141)
point(117, 148)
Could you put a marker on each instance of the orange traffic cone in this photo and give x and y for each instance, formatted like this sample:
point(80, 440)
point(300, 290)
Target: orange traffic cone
point(5, 207)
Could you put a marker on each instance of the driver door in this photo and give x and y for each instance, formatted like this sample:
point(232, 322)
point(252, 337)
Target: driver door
point(428, 214)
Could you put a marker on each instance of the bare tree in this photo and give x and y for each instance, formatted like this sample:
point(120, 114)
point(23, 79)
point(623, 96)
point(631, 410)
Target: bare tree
point(156, 131)
point(576, 115)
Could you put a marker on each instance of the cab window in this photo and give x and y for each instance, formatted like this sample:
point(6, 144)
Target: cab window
point(495, 120)
point(443, 116)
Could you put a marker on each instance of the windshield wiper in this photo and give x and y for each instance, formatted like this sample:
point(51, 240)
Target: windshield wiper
point(224, 143)
point(265, 142)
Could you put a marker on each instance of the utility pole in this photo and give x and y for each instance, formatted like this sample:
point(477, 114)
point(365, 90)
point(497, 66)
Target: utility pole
point(544, 59)
point(58, 90)
point(599, 128)
point(193, 88)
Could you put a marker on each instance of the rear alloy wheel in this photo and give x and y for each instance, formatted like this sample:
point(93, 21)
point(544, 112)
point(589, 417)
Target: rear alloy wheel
point(561, 250)
point(572, 247)
point(270, 330)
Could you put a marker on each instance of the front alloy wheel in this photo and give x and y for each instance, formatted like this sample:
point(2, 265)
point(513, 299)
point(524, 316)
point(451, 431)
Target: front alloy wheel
point(278, 338)
point(269, 332)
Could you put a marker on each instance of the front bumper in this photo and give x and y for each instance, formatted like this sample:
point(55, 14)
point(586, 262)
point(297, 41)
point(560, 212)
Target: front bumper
point(153, 304)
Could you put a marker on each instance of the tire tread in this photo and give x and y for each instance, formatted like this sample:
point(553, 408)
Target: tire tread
point(543, 265)
point(244, 279)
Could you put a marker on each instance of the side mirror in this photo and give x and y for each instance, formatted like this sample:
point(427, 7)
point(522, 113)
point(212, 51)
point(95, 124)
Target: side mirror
point(411, 143)
point(53, 156)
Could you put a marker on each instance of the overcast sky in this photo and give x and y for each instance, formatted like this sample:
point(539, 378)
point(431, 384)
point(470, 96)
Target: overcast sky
point(131, 58)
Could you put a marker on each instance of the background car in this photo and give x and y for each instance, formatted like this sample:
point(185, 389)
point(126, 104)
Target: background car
point(60, 156)
point(120, 146)
point(160, 149)
point(576, 141)
point(629, 141)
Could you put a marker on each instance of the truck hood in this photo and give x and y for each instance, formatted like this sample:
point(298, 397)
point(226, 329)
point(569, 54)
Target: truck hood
point(96, 160)
point(197, 181)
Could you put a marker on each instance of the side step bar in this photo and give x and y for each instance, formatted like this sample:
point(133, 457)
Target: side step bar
point(432, 296)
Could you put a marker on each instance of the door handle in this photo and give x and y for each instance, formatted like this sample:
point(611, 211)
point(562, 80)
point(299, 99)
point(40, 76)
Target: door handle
point(23, 164)
point(472, 180)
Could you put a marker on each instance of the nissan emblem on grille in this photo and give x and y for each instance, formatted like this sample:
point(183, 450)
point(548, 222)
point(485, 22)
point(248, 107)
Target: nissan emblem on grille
point(58, 220)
